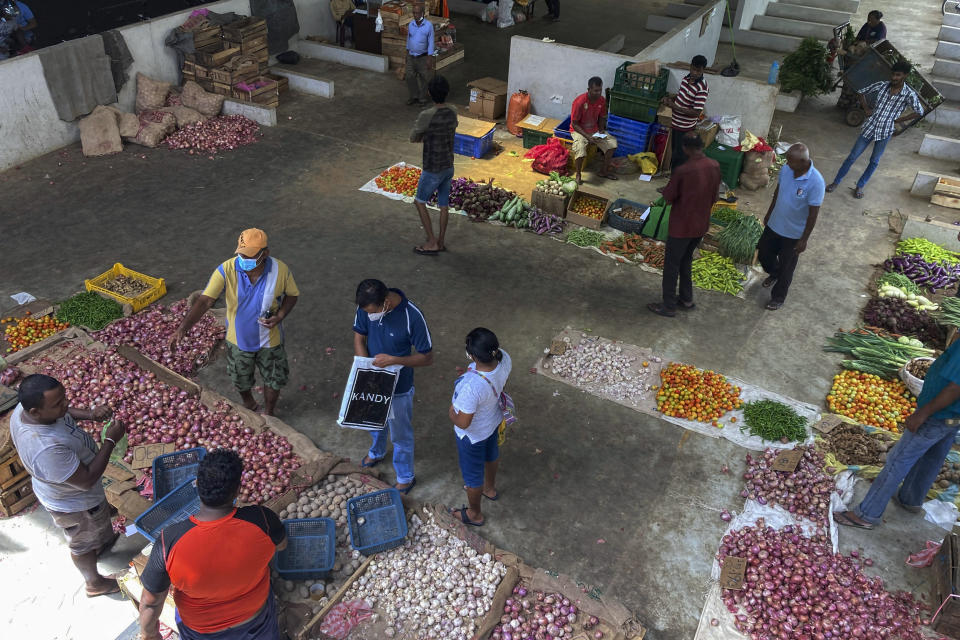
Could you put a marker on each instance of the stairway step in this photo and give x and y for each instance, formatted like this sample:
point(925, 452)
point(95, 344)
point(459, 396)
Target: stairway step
point(949, 69)
point(952, 19)
point(789, 27)
point(808, 14)
point(949, 87)
point(947, 51)
point(949, 34)
point(847, 6)
point(940, 147)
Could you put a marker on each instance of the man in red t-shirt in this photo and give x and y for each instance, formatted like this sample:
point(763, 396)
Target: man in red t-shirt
point(588, 126)
point(691, 192)
point(217, 562)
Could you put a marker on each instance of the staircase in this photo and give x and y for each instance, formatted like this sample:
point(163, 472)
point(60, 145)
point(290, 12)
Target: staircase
point(945, 76)
point(780, 27)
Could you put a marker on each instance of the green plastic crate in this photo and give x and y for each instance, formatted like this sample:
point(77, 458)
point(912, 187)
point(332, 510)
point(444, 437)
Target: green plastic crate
point(641, 85)
point(532, 138)
point(731, 163)
point(633, 107)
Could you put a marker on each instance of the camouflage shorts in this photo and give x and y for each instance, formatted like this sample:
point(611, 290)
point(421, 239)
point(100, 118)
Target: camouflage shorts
point(271, 362)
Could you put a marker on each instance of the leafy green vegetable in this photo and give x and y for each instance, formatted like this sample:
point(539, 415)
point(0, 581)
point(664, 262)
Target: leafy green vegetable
point(807, 69)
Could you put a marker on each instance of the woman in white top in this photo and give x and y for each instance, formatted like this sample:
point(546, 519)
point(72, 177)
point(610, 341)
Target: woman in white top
point(476, 414)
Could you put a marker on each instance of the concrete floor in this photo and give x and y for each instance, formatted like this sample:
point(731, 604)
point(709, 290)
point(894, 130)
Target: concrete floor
point(613, 497)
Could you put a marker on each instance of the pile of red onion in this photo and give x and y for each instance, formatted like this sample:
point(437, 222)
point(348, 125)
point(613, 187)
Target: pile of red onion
point(541, 616)
point(216, 134)
point(155, 412)
point(149, 332)
point(796, 587)
point(804, 491)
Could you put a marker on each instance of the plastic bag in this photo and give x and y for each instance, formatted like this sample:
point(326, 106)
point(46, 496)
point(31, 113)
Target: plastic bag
point(489, 12)
point(505, 14)
point(120, 449)
point(518, 109)
point(368, 397)
point(729, 135)
point(647, 161)
point(379, 23)
point(552, 156)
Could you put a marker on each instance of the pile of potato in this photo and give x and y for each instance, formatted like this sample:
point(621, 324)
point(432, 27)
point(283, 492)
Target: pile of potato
point(326, 499)
point(949, 474)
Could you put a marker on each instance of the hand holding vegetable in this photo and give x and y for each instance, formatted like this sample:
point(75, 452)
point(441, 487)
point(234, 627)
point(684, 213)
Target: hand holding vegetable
point(176, 337)
point(101, 413)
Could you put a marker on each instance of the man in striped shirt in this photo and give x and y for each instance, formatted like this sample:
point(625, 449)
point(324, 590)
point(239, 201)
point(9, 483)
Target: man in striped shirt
point(687, 106)
point(893, 98)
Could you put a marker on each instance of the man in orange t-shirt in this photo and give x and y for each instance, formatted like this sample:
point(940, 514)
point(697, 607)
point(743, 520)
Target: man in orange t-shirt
point(588, 125)
point(217, 562)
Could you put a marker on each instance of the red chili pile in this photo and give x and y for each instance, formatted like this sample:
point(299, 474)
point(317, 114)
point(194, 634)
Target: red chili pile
point(157, 412)
point(215, 134)
point(149, 332)
point(796, 587)
point(804, 491)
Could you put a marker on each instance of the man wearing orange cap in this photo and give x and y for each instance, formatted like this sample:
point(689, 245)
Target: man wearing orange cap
point(260, 293)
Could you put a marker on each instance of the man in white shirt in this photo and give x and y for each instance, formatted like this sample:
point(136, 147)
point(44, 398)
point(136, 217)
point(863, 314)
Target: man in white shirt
point(66, 467)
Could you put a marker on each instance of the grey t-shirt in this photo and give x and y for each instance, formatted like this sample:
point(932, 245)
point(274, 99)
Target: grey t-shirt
point(52, 453)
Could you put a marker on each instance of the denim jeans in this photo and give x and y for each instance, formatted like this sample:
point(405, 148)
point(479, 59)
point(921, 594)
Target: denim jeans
point(400, 428)
point(858, 148)
point(915, 460)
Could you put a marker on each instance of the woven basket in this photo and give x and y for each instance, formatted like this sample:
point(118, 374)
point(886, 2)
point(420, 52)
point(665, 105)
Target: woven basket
point(914, 384)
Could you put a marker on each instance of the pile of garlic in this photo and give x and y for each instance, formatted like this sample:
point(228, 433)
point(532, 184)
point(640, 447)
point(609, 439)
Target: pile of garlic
point(434, 586)
point(603, 367)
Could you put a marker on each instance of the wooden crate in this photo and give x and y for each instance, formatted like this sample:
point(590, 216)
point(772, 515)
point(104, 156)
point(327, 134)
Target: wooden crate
point(253, 44)
point(283, 84)
point(267, 94)
point(245, 29)
point(222, 88)
point(946, 193)
point(12, 470)
point(216, 55)
point(447, 58)
point(205, 83)
point(17, 498)
point(393, 46)
point(234, 73)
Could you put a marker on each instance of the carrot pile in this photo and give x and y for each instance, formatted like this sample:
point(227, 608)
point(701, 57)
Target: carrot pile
point(633, 246)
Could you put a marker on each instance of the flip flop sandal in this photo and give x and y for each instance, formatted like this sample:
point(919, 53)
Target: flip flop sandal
point(858, 194)
point(773, 305)
point(610, 176)
point(465, 518)
point(493, 499)
point(843, 519)
point(407, 490)
point(766, 284)
point(660, 310)
point(831, 187)
point(425, 252)
point(373, 462)
point(114, 589)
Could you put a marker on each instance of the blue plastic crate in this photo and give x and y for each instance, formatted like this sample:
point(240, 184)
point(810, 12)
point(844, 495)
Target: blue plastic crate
point(176, 506)
point(465, 145)
point(173, 469)
point(628, 126)
point(628, 145)
point(563, 130)
point(384, 523)
point(310, 550)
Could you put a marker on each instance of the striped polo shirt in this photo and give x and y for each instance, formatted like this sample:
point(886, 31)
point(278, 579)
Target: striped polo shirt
point(691, 95)
point(248, 302)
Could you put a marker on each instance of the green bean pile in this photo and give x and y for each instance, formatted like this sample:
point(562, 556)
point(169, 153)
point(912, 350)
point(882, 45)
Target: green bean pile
point(90, 310)
point(773, 420)
point(585, 237)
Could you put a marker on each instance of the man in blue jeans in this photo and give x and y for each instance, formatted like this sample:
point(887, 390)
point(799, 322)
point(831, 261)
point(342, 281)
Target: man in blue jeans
point(916, 459)
point(390, 327)
point(436, 128)
point(892, 99)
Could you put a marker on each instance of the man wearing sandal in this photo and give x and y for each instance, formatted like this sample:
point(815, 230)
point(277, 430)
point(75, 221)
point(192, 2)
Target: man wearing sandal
point(588, 126)
point(66, 466)
point(917, 457)
point(893, 98)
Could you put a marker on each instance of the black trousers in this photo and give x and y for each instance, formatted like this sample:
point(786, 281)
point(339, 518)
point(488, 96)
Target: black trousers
point(553, 6)
point(779, 260)
point(677, 156)
point(677, 260)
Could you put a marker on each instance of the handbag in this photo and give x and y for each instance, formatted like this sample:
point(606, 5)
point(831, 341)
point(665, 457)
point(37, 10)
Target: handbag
point(507, 407)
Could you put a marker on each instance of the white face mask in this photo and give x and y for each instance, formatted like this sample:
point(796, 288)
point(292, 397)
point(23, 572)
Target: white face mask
point(376, 317)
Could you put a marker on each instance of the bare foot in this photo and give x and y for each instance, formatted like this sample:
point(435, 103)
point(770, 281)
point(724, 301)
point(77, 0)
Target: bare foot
point(102, 587)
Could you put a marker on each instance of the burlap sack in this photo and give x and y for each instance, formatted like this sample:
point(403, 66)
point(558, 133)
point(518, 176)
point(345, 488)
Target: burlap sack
point(753, 159)
point(129, 122)
point(151, 94)
point(184, 115)
point(194, 96)
point(154, 127)
point(752, 182)
point(100, 133)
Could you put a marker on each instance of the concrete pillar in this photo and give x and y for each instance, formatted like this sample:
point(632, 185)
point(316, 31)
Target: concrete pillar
point(946, 69)
point(940, 147)
point(949, 34)
point(947, 51)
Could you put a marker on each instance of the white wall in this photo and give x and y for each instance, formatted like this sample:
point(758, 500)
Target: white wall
point(747, 11)
point(546, 69)
point(30, 126)
point(754, 101)
point(681, 43)
point(315, 19)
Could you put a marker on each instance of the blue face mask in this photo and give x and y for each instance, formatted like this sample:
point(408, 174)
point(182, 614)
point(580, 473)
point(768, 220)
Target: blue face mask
point(248, 264)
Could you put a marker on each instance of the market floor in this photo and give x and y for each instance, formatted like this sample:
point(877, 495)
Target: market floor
point(619, 500)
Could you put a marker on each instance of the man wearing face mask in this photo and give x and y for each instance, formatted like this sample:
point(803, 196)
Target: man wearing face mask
point(389, 326)
point(260, 293)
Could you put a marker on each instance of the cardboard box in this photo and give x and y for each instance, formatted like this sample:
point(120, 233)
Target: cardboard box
point(708, 133)
point(584, 221)
point(550, 203)
point(648, 67)
point(488, 98)
point(665, 116)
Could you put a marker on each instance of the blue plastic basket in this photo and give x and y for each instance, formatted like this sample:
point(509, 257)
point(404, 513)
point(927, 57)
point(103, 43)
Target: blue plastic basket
point(176, 506)
point(384, 524)
point(465, 145)
point(310, 550)
point(173, 469)
point(563, 130)
point(627, 126)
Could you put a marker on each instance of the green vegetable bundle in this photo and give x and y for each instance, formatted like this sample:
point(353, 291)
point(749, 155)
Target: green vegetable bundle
point(875, 354)
point(949, 312)
point(725, 215)
point(929, 251)
point(739, 239)
point(773, 421)
point(715, 272)
point(898, 280)
point(90, 310)
point(585, 237)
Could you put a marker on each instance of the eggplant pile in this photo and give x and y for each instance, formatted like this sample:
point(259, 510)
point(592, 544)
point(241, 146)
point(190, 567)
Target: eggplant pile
point(933, 275)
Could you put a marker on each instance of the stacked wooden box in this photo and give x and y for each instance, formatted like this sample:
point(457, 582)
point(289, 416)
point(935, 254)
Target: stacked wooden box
point(250, 35)
point(16, 489)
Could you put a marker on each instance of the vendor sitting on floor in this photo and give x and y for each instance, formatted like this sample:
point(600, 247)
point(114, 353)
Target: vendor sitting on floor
point(588, 126)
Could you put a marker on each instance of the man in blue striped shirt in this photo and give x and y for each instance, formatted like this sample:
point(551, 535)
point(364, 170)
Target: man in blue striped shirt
point(420, 56)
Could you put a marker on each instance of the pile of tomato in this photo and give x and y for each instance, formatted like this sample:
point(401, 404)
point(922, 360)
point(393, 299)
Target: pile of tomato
point(590, 207)
point(28, 330)
point(402, 180)
point(696, 394)
point(871, 400)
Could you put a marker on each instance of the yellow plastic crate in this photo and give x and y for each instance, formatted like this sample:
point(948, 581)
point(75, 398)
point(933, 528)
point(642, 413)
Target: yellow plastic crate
point(723, 204)
point(156, 291)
